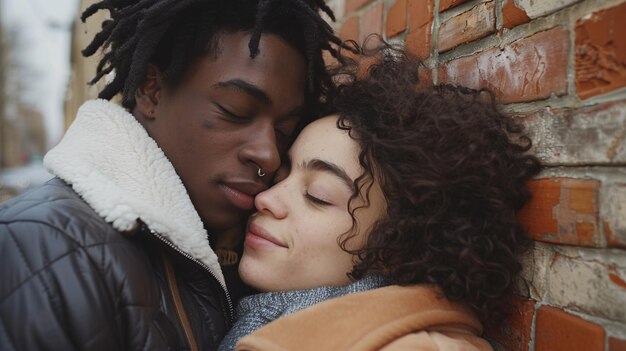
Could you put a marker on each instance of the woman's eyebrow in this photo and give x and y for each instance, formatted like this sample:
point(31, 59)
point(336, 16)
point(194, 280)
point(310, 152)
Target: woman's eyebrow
point(325, 166)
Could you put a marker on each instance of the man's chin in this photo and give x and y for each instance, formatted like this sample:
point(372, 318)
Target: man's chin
point(228, 221)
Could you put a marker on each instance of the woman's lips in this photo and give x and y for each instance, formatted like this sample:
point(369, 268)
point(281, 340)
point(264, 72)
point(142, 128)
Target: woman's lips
point(257, 237)
point(237, 198)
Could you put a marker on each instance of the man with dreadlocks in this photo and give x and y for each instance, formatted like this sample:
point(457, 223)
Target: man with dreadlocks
point(119, 250)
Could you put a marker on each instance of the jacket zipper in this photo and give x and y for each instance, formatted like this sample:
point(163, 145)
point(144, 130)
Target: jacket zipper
point(178, 303)
point(228, 315)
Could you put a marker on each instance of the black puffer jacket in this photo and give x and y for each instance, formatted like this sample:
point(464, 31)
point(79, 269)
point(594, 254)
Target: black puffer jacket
point(70, 281)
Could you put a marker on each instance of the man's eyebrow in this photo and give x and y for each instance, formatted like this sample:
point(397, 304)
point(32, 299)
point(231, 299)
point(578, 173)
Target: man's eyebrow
point(329, 167)
point(246, 87)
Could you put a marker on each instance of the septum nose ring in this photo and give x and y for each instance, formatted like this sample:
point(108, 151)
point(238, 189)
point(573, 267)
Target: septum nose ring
point(260, 172)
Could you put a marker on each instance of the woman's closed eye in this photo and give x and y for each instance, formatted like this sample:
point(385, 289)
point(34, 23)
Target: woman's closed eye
point(316, 200)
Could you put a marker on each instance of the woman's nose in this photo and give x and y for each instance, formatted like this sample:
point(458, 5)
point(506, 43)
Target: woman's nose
point(272, 201)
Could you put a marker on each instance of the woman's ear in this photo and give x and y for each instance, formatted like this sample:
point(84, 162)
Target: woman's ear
point(148, 95)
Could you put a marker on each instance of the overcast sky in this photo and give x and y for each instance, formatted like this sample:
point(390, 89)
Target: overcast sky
point(44, 50)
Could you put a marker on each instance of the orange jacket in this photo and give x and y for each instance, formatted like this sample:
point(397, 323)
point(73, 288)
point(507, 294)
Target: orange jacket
point(391, 318)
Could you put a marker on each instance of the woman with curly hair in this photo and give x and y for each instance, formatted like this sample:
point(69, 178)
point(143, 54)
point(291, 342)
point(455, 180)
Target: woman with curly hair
point(393, 226)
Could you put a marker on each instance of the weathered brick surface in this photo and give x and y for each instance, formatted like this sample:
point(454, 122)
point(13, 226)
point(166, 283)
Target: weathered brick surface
point(580, 282)
point(446, 4)
point(557, 330)
point(514, 333)
point(512, 15)
point(601, 52)
point(534, 8)
point(425, 78)
point(528, 69)
point(396, 18)
point(352, 5)
point(372, 21)
point(563, 211)
point(614, 214)
point(470, 25)
point(576, 271)
point(350, 29)
point(533, 279)
point(589, 135)
point(420, 27)
point(420, 13)
point(418, 41)
point(338, 7)
point(616, 344)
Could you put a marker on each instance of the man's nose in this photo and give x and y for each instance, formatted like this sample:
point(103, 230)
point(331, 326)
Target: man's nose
point(262, 151)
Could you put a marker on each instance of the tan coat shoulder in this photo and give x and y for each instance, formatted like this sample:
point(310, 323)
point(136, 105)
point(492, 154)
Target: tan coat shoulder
point(391, 318)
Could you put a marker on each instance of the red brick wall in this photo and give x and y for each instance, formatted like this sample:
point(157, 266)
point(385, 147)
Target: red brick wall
point(560, 67)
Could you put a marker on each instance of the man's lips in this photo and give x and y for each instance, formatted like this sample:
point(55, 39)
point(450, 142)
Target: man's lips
point(257, 236)
point(241, 193)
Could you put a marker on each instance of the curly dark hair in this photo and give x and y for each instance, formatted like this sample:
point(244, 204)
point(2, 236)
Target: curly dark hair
point(453, 169)
point(173, 33)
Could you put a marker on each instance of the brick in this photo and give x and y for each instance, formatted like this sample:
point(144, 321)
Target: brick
point(512, 15)
point(418, 42)
point(612, 239)
point(588, 281)
point(601, 52)
point(588, 135)
point(614, 215)
point(446, 4)
point(396, 18)
point(350, 29)
point(352, 5)
point(468, 26)
point(617, 344)
point(533, 280)
point(420, 13)
point(514, 333)
point(534, 8)
point(528, 69)
point(615, 277)
point(372, 21)
point(420, 27)
point(557, 330)
point(425, 78)
point(563, 211)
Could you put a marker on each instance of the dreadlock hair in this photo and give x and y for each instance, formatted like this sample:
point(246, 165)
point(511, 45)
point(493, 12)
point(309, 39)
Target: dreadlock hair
point(453, 169)
point(172, 34)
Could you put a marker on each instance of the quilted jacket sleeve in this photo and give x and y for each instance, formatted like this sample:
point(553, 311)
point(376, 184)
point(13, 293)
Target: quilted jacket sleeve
point(70, 281)
point(52, 295)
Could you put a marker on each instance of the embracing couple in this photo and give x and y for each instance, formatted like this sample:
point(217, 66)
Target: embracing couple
point(245, 197)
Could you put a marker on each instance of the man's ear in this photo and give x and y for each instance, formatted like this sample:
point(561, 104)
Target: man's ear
point(148, 94)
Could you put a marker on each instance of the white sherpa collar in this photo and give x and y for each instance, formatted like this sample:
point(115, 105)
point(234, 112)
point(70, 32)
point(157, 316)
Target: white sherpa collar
point(112, 163)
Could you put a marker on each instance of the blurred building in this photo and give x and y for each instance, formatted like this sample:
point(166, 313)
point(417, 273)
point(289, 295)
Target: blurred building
point(24, 136)
point(83, 69)
point(2, 86)
point(22, 130)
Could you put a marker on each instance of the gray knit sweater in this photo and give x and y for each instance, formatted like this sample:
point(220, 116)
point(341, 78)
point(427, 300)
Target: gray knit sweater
point(257, 310)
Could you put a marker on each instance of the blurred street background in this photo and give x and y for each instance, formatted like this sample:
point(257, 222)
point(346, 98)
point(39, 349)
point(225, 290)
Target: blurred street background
point(39, 41)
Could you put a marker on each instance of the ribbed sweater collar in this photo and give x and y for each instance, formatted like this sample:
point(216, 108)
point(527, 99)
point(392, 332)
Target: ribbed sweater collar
point(257, 310)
